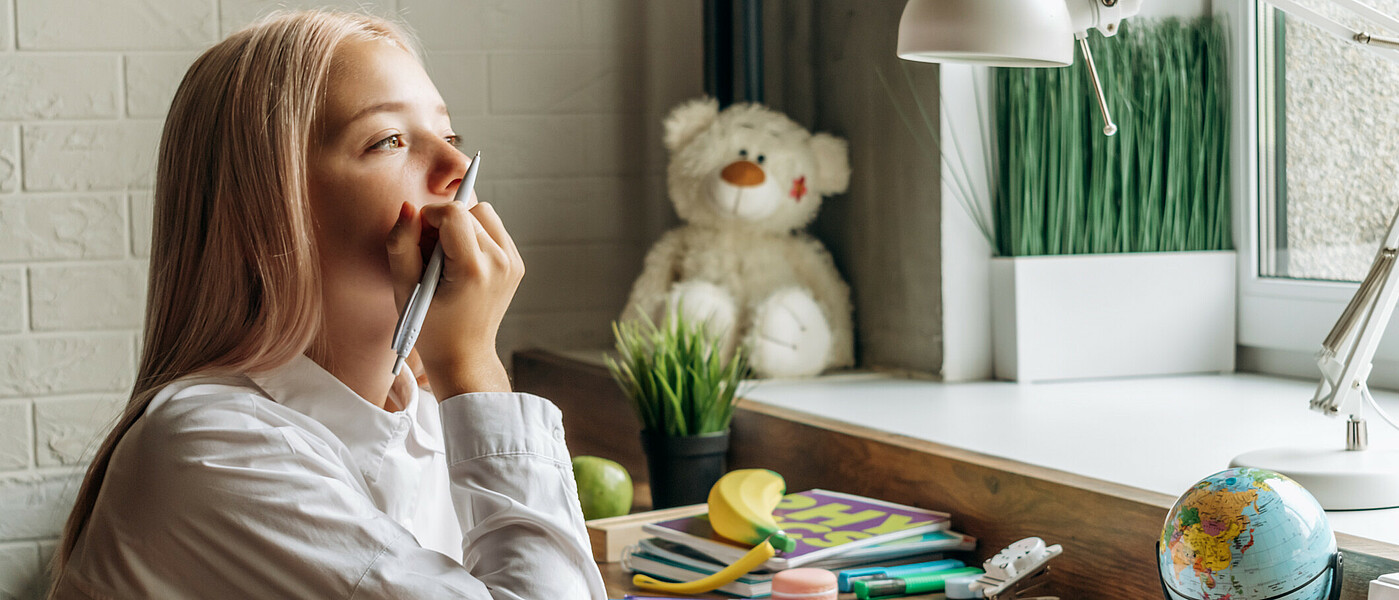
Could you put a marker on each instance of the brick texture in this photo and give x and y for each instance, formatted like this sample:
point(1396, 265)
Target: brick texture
point(53, 227)
point(68, 430)
point(235, 14)
point(7, 25)
point(151, 80)
point(69, 363)
point(69, 86)
point(34, 505)
point(110, 155)
point(11, 299)
point(141, 224)
point(9, 158)
point(16, 437)
point(20, 572)
point(87, 296)
point(114, 24)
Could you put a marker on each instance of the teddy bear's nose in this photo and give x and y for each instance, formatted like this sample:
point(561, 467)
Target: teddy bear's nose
point(743, 173)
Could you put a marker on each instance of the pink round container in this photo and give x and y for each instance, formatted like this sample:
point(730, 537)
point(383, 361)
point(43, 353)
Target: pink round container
point(804, 584)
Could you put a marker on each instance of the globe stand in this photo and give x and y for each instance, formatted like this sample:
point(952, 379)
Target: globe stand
point(1336, 569)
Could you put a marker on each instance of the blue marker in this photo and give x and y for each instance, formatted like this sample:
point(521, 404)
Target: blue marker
point(847, 579)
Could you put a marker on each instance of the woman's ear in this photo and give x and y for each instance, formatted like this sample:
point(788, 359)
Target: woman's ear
point(687, 120)
point(832, 174)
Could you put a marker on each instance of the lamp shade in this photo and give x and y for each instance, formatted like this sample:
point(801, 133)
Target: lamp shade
point(998, 33)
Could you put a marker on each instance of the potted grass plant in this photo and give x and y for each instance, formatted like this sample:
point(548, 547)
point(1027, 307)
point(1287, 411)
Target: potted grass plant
point(683, 388)
point(1116, 252)
point(1112, 254)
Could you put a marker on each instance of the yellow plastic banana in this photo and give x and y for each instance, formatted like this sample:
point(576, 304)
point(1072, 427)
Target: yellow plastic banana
point(741, 505)
point(757, 556)
point(740, 508)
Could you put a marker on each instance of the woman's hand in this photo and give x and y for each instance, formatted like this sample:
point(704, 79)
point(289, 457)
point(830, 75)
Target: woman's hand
point(481, 268)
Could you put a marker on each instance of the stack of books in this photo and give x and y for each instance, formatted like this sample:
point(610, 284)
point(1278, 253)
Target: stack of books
point(832, 531)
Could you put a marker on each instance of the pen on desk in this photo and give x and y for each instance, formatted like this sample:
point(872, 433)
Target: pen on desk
point(847, 578)
point(911, 584)
point(405, 334)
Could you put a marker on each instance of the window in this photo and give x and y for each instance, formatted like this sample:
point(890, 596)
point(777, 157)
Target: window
point(1316, 180)
point(1330, 186)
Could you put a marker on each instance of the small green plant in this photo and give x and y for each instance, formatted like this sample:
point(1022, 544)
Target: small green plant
point(676, 375)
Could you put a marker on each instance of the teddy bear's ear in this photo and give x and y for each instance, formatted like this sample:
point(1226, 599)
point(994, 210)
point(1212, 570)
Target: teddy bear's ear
point(687, 120)
point(832, 164)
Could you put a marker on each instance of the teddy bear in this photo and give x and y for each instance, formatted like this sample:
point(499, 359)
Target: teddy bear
point(745, 181)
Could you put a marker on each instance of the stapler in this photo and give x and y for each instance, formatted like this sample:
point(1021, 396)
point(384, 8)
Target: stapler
point(1012, 574)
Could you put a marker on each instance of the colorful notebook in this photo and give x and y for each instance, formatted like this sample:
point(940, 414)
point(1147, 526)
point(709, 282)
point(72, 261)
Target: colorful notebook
point(674, 552)
point(823, 523)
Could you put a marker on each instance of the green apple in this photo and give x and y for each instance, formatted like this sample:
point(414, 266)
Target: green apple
point(604, 487)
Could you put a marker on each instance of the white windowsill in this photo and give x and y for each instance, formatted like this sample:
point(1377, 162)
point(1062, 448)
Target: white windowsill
point(1159, 434)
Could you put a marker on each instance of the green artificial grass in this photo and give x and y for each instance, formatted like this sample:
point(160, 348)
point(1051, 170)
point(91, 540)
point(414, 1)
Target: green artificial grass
point(675, 375)
point(1160, 184)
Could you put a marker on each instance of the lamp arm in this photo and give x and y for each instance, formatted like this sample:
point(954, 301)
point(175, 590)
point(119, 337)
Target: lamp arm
point(1381, 46)
point(1375, 300)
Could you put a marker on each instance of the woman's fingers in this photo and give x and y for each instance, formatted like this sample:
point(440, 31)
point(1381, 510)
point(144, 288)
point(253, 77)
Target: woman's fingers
point(490, 222)
point(405, 259)
point(456, 235)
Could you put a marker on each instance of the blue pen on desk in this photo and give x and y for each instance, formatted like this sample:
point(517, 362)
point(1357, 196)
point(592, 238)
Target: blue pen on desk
point(405, 334)
point(846, 579)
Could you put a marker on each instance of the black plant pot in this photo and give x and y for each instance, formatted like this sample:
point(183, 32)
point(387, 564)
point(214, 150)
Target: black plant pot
point(683, 468)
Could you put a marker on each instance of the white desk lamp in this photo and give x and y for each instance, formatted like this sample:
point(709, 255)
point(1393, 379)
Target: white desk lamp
point(1040, 33)
point(1011, 33)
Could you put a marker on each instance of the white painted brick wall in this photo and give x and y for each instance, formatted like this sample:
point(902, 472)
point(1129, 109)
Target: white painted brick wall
point(16, 437)
point(11, 299)
point(151, 80)
point(19, 569)
point(67, 430)
point(563, 96)
point(42, 227)
point(62, 86)
point(107, 155)
point(9, 158)
point(77, 297)
point(114, 24)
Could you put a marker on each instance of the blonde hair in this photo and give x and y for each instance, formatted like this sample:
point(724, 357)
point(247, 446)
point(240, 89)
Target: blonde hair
point(233, 278)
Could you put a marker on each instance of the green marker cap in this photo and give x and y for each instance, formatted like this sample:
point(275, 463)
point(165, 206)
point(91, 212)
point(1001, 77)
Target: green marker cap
point(780, 541)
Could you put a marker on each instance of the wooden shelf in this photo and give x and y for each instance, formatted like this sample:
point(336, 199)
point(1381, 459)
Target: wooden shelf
point(1108, 530)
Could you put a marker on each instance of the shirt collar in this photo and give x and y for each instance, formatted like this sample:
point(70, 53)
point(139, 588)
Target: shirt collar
point(367, 430)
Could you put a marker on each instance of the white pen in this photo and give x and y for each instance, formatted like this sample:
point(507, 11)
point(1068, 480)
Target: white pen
point(405, 334)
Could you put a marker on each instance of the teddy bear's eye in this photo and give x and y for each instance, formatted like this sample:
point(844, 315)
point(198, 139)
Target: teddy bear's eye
point(761, 158)
point(743, 153)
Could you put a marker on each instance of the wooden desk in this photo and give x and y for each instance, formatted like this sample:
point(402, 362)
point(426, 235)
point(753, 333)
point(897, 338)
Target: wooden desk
point(1106, 529)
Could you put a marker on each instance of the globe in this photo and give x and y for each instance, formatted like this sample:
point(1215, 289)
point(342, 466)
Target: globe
point(1247, 534)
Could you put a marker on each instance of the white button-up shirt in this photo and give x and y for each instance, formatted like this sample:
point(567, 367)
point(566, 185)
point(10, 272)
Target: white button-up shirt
point(287, 484)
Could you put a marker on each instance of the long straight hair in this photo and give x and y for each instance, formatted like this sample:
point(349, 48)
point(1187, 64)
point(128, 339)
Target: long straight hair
point(234, 284)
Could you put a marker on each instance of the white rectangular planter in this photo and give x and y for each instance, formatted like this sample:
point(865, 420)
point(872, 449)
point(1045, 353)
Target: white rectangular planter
point(1112, 315)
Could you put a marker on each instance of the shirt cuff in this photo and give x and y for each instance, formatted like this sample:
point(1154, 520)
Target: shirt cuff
point(502, 423)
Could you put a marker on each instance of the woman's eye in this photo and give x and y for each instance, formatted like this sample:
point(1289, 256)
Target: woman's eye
point(454, 140)
point(392, 142)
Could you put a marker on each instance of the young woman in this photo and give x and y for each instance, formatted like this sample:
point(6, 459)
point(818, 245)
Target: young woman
point(267, 450)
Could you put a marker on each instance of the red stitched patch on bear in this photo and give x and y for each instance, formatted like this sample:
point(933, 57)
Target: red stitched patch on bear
point(799, 188)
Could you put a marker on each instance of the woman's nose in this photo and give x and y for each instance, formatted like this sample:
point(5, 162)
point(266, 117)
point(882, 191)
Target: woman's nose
point(449, 166)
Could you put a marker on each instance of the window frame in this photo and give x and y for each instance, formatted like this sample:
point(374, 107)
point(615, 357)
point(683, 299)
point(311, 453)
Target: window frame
point(1281, 323)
